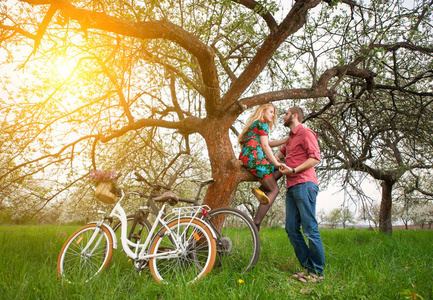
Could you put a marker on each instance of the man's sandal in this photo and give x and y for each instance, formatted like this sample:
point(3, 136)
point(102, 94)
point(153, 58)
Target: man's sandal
point(300, 274)
point(263, 199)
point(312, 278)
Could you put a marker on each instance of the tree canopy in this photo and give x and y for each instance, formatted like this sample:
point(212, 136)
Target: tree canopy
point(91, 79)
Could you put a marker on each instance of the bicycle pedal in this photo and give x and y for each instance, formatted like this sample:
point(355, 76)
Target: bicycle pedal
point(140, 266)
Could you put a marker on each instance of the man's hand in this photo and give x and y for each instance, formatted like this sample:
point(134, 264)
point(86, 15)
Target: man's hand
point(285, 169)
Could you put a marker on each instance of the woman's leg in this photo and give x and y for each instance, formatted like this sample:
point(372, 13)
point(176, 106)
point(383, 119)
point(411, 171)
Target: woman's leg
point(270, 187)
point(277, 175)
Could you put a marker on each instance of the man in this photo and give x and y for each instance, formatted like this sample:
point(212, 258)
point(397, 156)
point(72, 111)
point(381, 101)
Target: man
point(302, 153)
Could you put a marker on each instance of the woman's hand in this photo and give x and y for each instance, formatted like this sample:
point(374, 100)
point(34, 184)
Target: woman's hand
point(285, 169)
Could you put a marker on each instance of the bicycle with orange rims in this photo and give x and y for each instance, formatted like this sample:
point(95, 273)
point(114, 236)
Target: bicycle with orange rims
point(237, 238)
point(178, 246)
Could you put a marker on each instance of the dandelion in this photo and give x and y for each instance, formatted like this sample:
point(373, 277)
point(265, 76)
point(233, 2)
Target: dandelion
point(240, 281)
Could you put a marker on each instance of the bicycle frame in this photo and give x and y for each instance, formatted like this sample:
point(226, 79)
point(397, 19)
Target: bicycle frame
point(142, 254)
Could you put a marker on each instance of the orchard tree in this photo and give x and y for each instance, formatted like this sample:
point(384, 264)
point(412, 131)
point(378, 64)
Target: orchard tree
point(403, 214)
point(422, 215)
point(321, 216)
point(346, 216)
point(334, 217)
point(372, 214)
point(381, 126)
point(98, 74)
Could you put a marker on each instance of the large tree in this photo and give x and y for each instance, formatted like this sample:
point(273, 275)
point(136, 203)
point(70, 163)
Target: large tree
point(383, 128)
point(188, 67)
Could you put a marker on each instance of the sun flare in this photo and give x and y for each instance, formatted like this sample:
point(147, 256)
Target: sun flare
point(64, 68)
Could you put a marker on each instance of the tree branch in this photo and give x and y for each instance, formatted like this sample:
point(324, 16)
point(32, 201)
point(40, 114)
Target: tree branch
point(188, 125)
point(294, 20)
point(405, 45)
point(43, 27)
point(248, 102)
point(49, 155)
point(261, 11)
point(149, 30)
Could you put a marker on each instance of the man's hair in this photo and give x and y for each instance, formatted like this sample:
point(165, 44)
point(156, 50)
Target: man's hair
point(298, 110)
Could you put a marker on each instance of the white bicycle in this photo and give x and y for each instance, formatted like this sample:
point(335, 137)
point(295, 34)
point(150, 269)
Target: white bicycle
point(183, 248)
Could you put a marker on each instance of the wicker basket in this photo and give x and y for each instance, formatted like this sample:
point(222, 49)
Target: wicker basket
point(103, 193)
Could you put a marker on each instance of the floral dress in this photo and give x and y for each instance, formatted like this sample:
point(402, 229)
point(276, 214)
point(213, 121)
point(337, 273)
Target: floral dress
point(252, 154)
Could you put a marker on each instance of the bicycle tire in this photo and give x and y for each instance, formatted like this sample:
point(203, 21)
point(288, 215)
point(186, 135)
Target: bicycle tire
point(238, 240)
point(74, 265)
point(140, 232)
point(195, 260)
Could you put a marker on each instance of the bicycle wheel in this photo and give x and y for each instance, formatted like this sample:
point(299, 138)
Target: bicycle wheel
point(139, 233)
point(195, 257)
point(238, 241)
point(85, 254)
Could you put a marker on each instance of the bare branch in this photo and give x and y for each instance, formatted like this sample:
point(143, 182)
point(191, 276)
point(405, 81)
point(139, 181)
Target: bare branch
point(188, 125)
point(261, 11)
point(150, 30)
point(294, 20)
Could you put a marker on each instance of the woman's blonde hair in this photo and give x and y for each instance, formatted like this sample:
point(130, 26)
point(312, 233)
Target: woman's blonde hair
point(257, 115)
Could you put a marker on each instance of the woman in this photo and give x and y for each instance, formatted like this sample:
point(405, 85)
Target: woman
point(258, 158)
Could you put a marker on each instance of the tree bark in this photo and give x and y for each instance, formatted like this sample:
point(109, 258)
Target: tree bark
point(385, 224)
point(226, 168)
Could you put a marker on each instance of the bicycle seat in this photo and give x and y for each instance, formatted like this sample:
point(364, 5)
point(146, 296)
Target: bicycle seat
point(169, 197)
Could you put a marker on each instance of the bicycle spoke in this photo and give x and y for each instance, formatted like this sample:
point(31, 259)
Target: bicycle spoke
point(194, 259)
point(238, 242)
point(76, 265)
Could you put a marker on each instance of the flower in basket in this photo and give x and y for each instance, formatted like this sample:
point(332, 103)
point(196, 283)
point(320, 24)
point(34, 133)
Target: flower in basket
point(98, 176)
point(104, 181)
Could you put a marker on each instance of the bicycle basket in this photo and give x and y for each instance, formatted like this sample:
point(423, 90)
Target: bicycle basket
point(103, 193)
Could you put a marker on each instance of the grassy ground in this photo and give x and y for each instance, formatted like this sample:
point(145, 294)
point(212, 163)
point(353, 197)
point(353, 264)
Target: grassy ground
point(361, 264)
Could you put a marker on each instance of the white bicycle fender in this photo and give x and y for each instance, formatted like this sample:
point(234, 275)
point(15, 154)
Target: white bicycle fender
point(202, 221)
point(113, 234)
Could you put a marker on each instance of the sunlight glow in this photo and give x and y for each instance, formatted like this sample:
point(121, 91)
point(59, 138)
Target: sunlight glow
point(64, 68)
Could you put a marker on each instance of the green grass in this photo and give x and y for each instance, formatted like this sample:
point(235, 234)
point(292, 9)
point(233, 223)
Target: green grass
point(361, 264)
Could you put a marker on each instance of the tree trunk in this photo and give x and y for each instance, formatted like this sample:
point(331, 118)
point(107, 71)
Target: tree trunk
point(385, 224)
point(226, 168)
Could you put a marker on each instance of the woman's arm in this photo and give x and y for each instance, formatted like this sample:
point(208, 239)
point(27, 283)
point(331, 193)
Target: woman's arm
point(309, 163)
point(268, 151)
point(278, 142)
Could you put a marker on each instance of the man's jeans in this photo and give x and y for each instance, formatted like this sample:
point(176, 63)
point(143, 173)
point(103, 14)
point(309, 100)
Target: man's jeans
point(301, 209)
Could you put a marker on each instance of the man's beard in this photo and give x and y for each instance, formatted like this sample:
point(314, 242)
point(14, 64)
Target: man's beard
point(288, 122)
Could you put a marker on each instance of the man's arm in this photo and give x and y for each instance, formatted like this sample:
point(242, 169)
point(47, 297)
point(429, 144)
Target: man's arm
point(278, 142)
point(309, 163)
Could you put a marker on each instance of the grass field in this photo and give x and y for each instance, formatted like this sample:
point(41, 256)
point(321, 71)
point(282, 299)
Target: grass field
point(361, 264)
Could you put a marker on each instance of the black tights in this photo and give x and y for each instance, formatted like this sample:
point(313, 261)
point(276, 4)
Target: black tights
point(270, 187)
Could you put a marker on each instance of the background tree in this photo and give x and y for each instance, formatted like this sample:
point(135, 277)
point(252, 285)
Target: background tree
point(99, 71)
point(403, 214)
point(371, 214)
point(346, 216)
point(246, 201)
point(380, 126)
point(321, 216)
point(334, 217)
